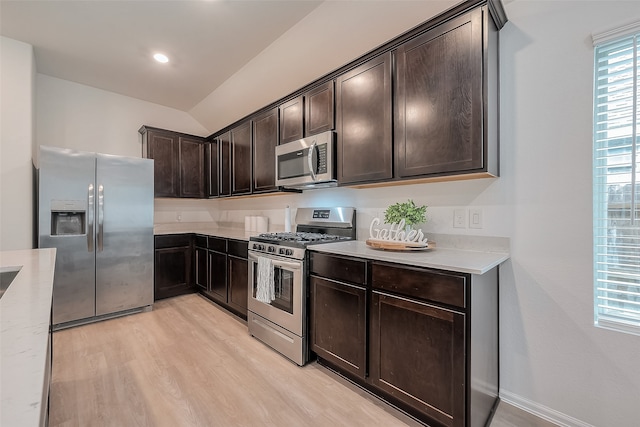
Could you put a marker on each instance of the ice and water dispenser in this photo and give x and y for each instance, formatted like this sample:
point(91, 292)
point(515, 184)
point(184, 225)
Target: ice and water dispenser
point(68, 217)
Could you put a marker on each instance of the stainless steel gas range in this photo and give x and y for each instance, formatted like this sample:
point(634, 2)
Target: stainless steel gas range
point(278, 278)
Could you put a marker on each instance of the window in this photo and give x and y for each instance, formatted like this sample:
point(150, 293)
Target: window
point(616, 180)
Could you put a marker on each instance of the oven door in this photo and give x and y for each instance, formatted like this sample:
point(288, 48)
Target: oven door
point(288, 308)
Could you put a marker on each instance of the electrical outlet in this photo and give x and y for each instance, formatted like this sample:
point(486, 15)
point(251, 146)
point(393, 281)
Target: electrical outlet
point(179, 216)
point(460, 218)
point(475, 218)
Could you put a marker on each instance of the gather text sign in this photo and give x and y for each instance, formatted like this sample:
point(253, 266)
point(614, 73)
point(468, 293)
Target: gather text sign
point(396, 233)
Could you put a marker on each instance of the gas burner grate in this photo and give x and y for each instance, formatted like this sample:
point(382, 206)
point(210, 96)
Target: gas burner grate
point(299, 237)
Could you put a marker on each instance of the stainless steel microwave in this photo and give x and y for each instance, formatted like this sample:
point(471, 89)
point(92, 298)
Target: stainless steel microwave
point(307, 162)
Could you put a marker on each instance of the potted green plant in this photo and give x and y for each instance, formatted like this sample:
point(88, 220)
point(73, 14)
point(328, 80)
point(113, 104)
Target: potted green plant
point(408, 211)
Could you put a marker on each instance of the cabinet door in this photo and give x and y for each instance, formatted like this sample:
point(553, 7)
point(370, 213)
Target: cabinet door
point(191, 168)
point(291, 120)
point(218, 276)
point(338, 324)
point(241, 159)
point(319, 107)
point(439, 101)
point(418, 356)
point(265, 140)
point(364, 122)
point(212, 171)
point(202, 270)
point(163, 148)
point(173, 272)
point(238, 284)
point(224, 153)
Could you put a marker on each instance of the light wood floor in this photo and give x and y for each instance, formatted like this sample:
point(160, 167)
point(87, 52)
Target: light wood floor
point(190, 363)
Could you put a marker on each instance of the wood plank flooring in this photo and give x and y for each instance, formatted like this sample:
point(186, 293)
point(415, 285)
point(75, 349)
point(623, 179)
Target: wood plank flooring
point(190, 363)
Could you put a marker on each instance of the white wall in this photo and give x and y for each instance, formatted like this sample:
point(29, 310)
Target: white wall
point(71, 115)
point(551, 353)
point(17, 74)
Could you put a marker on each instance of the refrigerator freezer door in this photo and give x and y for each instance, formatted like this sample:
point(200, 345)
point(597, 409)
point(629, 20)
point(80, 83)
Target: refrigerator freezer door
point(124, 233)
point(65, 195)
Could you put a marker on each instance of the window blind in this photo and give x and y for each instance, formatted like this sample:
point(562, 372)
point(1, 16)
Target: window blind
point(616, 184)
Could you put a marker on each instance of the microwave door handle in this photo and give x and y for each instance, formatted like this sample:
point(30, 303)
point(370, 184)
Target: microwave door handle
point(312, 168)
point(90, 211)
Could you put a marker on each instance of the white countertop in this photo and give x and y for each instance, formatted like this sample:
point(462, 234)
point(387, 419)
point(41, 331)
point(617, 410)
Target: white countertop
point(25, 311)
point(203, 228)
point(465, 254)
point(463, 261)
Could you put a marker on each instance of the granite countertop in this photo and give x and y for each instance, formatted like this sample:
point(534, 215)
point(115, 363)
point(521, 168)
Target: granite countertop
point(25, 314)
point(203, 228)
point(463, 261)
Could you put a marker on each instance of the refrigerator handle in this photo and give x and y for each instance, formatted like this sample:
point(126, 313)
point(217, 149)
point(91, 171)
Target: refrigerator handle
point(90, 221)
point(100, 217)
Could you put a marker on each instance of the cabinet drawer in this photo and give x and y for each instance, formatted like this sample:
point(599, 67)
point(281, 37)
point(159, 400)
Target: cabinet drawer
point(201, 241)
point(238, 248)
point(339, 268)
point(217, 244)
point(430, 285)
point(172, 240)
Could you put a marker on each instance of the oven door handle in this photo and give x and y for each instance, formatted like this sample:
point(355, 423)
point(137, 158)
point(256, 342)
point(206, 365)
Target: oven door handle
point(278, 263)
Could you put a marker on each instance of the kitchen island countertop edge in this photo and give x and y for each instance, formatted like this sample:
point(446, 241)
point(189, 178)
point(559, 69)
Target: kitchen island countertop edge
point(25, 312)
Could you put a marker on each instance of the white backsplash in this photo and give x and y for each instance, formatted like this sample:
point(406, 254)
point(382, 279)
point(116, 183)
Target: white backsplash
point(441, 198)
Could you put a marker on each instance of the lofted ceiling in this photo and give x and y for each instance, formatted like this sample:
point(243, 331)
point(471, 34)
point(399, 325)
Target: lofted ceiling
point(109, 44)
point(227, 57)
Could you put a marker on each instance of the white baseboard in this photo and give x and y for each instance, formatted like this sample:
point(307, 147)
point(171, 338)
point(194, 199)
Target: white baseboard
point(541, 411)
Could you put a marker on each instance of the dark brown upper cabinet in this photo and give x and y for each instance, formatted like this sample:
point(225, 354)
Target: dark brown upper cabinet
point(241, 158)
point(265, 140)
point(178, 162)
point(319, 109)
point(191, 167)
point(224, 163)
point(162, 147)
point(441, 93)
point(364, 122)
point(291, 120)
point(212, 169)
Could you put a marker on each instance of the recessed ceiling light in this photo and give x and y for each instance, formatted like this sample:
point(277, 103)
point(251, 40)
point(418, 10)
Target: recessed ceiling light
point(160, 57)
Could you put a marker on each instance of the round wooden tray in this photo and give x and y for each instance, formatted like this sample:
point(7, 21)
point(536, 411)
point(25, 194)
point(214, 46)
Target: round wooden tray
point(399, 246)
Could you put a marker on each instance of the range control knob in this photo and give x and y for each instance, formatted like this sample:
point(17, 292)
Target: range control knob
point(271, 249)
point(289, 252)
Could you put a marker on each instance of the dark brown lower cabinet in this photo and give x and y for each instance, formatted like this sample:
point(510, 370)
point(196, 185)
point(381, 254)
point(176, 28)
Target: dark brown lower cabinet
point(238, 268)
point(425, 340)
point(173, 265)
point(228, 274)
point(215, 266)
point(417, 356)
point(339, 317)
point(201, 272)
point(238, 283)
point(218, 276)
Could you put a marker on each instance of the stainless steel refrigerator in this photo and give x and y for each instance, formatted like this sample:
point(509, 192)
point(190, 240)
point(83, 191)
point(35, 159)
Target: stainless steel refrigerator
point(97, 210)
